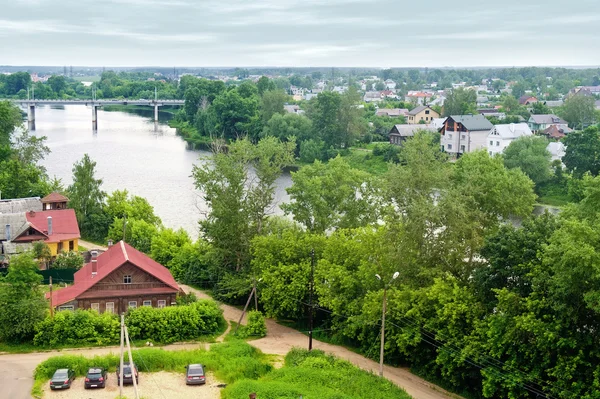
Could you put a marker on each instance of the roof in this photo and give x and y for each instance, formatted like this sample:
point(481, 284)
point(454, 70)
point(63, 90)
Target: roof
point(109, 261)
point(17, 221)
point(20, 205)
point(391, 111)
point(64, 224)
point(418, 109)
point(556, 148)
point(473, 122)
point(54, 197)
point(547, 119)
point(410, 130)
point(419, 94)
point(513, 130)
point(525, 98)
point(556, 132)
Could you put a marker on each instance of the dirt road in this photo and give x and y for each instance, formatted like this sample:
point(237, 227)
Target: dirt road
point(281, 339)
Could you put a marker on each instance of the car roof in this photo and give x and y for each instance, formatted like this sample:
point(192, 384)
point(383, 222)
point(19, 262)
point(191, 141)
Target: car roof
point(92, 370)
point(61, 371)
point(197, 365)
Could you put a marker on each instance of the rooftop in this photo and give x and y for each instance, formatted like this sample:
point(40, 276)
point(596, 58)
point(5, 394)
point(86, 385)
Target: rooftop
point(473, 122)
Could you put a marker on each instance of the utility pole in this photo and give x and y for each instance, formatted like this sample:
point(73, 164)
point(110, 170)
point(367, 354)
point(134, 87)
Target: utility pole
point(244, 311)
point(124, 225)
point(51, 307)
point(255, 296)
point(382, 332)
point(121, 361)
point(310, 310)
point(132, 366)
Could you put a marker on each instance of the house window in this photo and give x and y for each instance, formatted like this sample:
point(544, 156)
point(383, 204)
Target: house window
point(449, 146)
point(110, 307)
point(59, 247)
point(147, 303)
point(71, 245)
point(132, 304)
point(162, 303)
point(127, 279)
point(462, 148)
point(497, 143)
point(462, 137)
point(449, 136)
point(95, 306)
point(66, 307)
point(491, 153)
point(427, 112)
point(491, 142)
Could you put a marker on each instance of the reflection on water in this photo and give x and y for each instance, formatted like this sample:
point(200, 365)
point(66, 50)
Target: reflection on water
point(131, 152)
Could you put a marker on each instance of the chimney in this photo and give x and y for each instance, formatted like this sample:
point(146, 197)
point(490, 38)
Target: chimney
point(49, 225)
point(8, 232)
point(110, 243)
point(94, 262)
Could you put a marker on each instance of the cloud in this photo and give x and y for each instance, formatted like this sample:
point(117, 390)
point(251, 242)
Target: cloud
point(473, 35)
point(31, 26)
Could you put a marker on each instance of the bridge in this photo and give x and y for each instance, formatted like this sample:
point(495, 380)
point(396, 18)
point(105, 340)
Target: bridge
point(94, 103)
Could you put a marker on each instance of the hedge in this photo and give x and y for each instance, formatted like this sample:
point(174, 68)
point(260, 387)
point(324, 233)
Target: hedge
point(166, 325)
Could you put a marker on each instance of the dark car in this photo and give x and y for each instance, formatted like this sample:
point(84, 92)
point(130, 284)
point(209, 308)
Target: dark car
point(96, 378)
point(127, 374)
point(62, 379)
point(195, 374)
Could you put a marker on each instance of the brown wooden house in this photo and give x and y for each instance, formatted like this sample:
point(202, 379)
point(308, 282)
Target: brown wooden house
point(118, 279)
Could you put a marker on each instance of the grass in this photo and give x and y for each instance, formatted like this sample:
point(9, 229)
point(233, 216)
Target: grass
point(230, 362)
point(365, 160)
point(554, 200)
point(370, 146)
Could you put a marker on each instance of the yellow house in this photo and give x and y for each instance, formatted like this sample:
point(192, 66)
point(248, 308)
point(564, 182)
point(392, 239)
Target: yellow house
point(421, 114)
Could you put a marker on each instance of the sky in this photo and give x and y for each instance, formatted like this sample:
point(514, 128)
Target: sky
point(300, 33)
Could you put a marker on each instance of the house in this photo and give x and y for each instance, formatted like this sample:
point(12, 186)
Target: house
point(501, 136)
point(418, 97)
point(437, 123)
point(119, 279)
point(390, 84)
point(438, 101)
point(293, 109)
point(464, 133)
point(389, 94)
point(543, 121)
point(372, 97)
point(556, 132)
point(54, 201)
point(20, 205)
point(491, 112)
point(392, 112)
point(400, 133)
point(554, 104)
point(527, 99)
point(422, 113)
point(557, 150)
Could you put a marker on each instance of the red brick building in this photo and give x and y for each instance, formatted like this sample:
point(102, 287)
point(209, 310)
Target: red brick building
point(118, 279)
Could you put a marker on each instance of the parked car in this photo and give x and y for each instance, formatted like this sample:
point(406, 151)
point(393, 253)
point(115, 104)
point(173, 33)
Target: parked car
point(194, 374)
point(96, 378)
point(62, 379)
point(127, 374)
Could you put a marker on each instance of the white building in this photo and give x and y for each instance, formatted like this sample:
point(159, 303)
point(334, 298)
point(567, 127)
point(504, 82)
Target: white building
point(557, 150)
point(501, 136)
point(390, 84)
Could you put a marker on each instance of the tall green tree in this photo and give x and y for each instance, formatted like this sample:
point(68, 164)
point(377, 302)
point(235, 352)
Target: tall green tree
point(460, 101)
point(580, 111)
point(289, 125)
point(85, 194)
point(271, 103)
point(529, 154)
point(583, 152)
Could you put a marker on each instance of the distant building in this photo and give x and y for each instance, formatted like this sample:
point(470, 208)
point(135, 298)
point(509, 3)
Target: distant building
point(464, 133)
point(491, 112)
point(400, 133)
point(556, 132)
point(390, 84)
point(418, 96)
point(372, 97)
point(293, 109)
point(501, 136)
point(554, 104)
point(392, 112)
point(543, 121)
point(557, 150)
point(422, 114)
point(527, 99)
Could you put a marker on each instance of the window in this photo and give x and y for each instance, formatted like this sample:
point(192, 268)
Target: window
point(449, 146)
point(127, 279)
point(449, 136)
point(463, 137)
point(462, 148)
point(132, 304)
point(59, 247)
point(427, 112)
point(71, 245)
point(491, 153)
point(497, 143)
point(162, 303)
point(66, 307)
point(491, 142)
point(147, 303)
point(110, 307)
point(95, 306)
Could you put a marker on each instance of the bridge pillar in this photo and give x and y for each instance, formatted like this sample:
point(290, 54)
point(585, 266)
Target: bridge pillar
point(31, 116)
point(155, 112)
point(95, 116)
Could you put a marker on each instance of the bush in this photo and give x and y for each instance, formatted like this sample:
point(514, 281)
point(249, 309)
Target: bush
point(256, 326)
point(166, 325)
point(68, 260)
point(186, 299)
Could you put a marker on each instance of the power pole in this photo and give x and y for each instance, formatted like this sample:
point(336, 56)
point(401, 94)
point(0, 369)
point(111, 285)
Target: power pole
point(133, 368)
point(121, 361)
point(255, 296)
point(51, 307)
point(310, 310)
point(382, 332)
point(244, 311)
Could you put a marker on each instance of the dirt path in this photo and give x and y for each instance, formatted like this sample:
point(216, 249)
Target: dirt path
point(89, 245)
point(281, 339)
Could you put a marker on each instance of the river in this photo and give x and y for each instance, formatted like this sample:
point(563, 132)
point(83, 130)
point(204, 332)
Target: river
point(131, 153)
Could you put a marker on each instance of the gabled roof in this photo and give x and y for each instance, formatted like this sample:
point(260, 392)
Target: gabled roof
point(109, 261)
point(54, 197)
point(20, 205)
point(391, 111)
point(547, 119)
point(418, 109)
point(18, 224)
point(556, 132)
point(473, 122)
point(410, 130)
point(512, 130)
point(64, 224)
point(526, 98)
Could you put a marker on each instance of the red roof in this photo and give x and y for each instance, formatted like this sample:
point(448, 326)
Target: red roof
point(54, 197)
point(64, 224)
point(109, 261)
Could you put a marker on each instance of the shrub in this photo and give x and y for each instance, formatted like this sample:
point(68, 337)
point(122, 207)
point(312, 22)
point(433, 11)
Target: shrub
point(68, 260)
point(186, 299)
point(256, 326)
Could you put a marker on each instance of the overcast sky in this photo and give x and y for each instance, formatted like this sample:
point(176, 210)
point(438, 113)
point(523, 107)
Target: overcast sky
point(369, 33)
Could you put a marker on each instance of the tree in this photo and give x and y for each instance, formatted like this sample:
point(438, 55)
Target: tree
point(579, 111)
point(510, 104)
point(583, 152)
point(540, 108)
point(518, 89)
point(332, 195)
point(272, 103)
point(138, 233)
point(10, 119)
point(167, 243)
point(120, 204)
point(529, 154)
point(85, 194)
point(236, 114)
point(21, 299)
point(289, 125)
point(240, 200)
point(41, 252)
point(264, 85)
point(58, 83)
point(460, 101)
point(324, 115)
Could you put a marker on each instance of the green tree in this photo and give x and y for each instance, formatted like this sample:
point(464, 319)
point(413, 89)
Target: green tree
point(579, 111)
point(332, 195)
point(583, 152)
point(518, 89)
point(264, 85)
point(236, 114)
point(21, 299)
point(510, 104)
point(41, 252)
point(460, 101)
point(540, 108)
point(271, 103)
point(120, 204)
point(10, 119)
point(57, 83)
point(289, 125)
point(85, 194)
point(529, 154)
point(324, 115)
point(167, 243)
point(138, 233)
point(68, 260)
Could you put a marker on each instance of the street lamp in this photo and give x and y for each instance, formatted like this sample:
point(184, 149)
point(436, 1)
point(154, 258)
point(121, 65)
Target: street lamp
point(385, 287)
